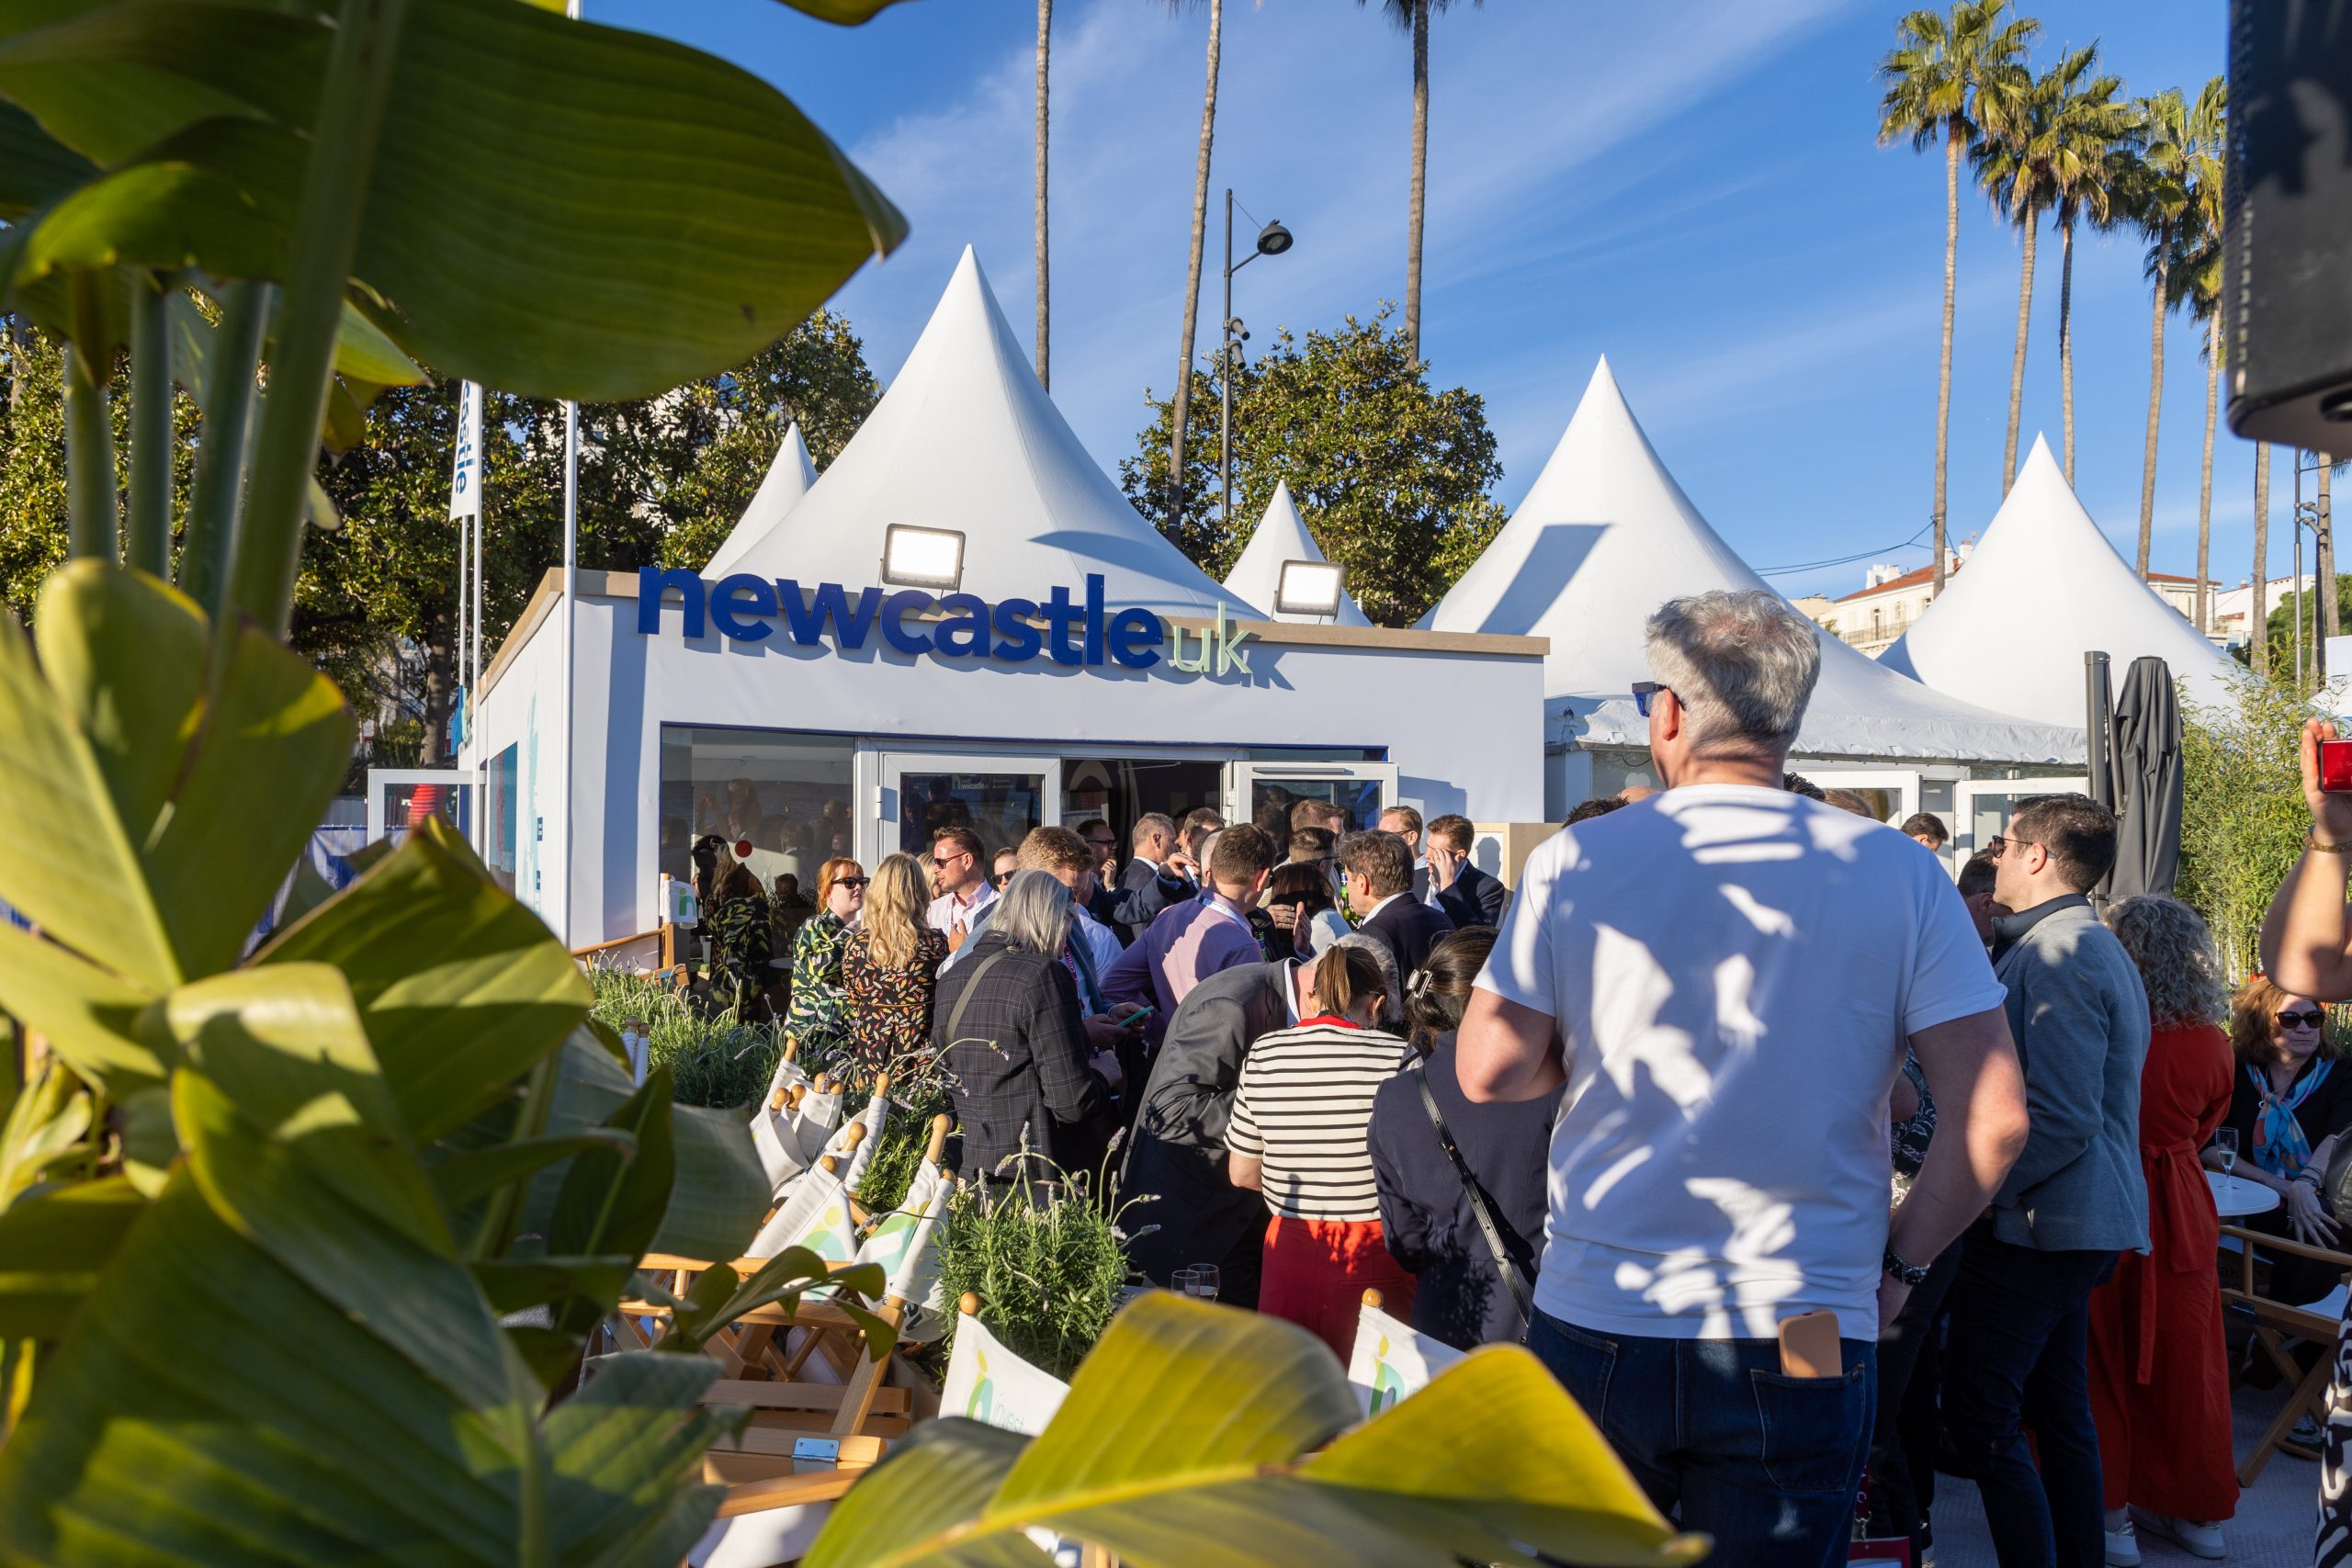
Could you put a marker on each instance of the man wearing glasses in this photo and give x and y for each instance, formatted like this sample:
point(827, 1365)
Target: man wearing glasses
point(960, 884)
point(2020, 1306)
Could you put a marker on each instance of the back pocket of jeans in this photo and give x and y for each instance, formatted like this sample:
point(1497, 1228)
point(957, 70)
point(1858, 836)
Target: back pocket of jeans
point(1812, 1429)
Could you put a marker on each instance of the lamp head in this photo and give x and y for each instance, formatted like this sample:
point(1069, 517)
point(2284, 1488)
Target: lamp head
point(922, 557)
point(1273, 240)
point(1307, 588)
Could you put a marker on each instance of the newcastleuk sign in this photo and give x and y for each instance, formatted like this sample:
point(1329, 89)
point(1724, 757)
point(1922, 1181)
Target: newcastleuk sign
point(746, 608)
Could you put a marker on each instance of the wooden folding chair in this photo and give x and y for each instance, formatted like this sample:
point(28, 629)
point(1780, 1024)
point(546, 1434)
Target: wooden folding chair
point(2274, 1319)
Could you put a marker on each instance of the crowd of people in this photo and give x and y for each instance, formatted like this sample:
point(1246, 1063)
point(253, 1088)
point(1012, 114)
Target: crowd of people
point(1734, 1069)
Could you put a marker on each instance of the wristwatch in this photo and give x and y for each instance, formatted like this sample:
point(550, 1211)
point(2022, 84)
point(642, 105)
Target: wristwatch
point(1903, 1272)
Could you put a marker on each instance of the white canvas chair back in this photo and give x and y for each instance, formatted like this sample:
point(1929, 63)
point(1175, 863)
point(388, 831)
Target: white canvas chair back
point(787, 1074)
point(876, 1116)
point(989, 1383)
point(815, 1121)
point(815, 1214)
point(904, 1241)
point(779, 1148)
point(1391, 1360)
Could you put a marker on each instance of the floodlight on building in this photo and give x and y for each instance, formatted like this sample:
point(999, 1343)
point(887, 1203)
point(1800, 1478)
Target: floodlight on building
point(1307, 588)
point(922, 557)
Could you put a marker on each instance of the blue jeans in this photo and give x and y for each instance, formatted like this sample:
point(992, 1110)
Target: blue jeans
point(2016, 1358)
point(1722, 1441)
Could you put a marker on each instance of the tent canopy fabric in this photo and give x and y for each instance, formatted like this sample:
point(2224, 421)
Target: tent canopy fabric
point(1605, 536)
point(2042, 588)
point(1282, 536)
point(966, 439)
point(788, 478)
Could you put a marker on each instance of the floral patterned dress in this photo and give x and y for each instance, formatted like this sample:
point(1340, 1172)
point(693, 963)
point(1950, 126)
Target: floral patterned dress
point(818, 1013)
point(890, 1009)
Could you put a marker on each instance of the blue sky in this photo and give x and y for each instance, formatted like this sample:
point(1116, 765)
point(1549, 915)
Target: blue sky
point(1691, 187)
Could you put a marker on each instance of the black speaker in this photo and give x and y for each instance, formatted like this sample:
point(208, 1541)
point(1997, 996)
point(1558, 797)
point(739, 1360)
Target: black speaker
point(2288, 242)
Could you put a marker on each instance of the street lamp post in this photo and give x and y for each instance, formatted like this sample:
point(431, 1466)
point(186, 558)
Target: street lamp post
point(1273, 240)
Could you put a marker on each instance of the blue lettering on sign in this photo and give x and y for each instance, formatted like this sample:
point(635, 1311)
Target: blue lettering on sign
point(746, 609)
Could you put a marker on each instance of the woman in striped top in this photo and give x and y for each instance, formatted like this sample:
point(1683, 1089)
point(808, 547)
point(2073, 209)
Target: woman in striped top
point(1298, 1134)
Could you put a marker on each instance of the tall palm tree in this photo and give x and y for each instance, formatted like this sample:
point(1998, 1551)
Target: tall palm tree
point(2013, 165)
point(1413, 17)
point(1192, 267)
point(2193, 275)
point(2257, 619)
point(2090, 163)
point(1940, 65)
point(2159, 202)
point(1045, 314)
point(2174, 190)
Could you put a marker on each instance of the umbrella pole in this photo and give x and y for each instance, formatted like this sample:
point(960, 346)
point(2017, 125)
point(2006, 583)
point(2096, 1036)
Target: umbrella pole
point(2098, 716)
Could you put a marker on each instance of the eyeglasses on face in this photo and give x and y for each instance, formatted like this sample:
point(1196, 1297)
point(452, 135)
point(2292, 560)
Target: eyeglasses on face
point(943, 861)
point(852, 883)
point(2299, 1020)
point(1644, 690)
point(999, 879)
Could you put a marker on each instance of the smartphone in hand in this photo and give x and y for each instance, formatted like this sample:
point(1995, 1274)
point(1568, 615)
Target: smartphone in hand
point(2335, 766)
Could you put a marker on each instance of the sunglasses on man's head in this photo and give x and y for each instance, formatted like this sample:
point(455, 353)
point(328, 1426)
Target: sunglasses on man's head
point(2311, 1020)
point(1642, 692)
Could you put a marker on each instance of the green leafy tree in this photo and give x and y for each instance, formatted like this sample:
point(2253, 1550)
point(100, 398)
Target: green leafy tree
point(1393, 477)
point(2091, 142)
point(32, 461)
point(1944, 74)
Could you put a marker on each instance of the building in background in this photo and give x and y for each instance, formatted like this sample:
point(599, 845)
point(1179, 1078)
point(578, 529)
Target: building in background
point(2232, 605)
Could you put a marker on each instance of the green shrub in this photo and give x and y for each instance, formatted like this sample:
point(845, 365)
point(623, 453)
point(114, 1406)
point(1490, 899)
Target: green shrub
point(1046, 1258)
point(721, 1062)
point(2242, 815)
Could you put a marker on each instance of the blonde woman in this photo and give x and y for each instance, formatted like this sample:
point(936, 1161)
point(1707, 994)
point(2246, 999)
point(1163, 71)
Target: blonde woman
point(818, 1014)
point(890, 966)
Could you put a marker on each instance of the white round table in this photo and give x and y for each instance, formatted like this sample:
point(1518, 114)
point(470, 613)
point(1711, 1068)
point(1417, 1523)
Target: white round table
point(2235, 1197)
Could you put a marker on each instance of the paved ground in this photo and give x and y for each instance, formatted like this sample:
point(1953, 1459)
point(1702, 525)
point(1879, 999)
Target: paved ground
point(2273, 1527)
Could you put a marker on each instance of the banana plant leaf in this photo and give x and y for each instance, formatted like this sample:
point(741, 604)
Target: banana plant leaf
point(53, 1250)
point(461, 987)
point(210, 1409)
point(35, 167)
point(1210, 1438)
point(719, 1193)
point(622, 214)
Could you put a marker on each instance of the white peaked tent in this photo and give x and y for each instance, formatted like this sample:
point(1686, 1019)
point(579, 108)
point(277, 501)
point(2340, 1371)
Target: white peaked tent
point(1282, 536)
point(2042, 588)
point(1605, 536)
point(966, 439)
point(789, 477)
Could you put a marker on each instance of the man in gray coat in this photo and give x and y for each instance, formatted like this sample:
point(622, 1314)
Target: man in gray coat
point(2017, 1353)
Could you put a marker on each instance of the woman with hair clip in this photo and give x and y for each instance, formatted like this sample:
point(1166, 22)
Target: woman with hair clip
point(1296, 1135)
point(1430, 1217)
point(735, 912)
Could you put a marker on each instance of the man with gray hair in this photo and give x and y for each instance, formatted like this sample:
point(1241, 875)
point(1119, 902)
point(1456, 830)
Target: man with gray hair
point(1717, 983)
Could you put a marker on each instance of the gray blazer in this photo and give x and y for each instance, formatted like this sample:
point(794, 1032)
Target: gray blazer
point(2079, 1014)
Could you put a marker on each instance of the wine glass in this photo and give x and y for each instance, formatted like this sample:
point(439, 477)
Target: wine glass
point(2225, 1144)
point(1200, 1279)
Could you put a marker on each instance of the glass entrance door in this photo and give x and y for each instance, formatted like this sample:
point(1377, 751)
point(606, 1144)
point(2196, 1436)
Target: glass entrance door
point(999, 798)
point(1264, 792)
point(1981, 808)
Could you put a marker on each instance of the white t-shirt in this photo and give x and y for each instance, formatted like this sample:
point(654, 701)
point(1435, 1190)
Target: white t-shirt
point(1733, 972)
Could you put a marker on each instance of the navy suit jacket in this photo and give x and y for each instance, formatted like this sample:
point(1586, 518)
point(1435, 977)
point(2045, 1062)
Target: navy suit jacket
point(1407, 928)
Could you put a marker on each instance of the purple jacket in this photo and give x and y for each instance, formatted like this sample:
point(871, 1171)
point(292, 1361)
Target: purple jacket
point(1184, 945)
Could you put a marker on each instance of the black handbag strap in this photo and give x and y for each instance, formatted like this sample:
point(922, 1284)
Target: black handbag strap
point(971, 989)
point(1512, 1279)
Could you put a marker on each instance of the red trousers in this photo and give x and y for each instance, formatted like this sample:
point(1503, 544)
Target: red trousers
point(1317, 1270)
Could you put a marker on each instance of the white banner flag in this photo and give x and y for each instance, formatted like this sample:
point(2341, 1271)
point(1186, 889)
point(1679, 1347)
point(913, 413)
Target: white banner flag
point(465, 479)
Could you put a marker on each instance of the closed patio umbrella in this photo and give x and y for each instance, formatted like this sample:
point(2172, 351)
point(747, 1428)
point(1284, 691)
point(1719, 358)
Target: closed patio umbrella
point(2147, 781)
